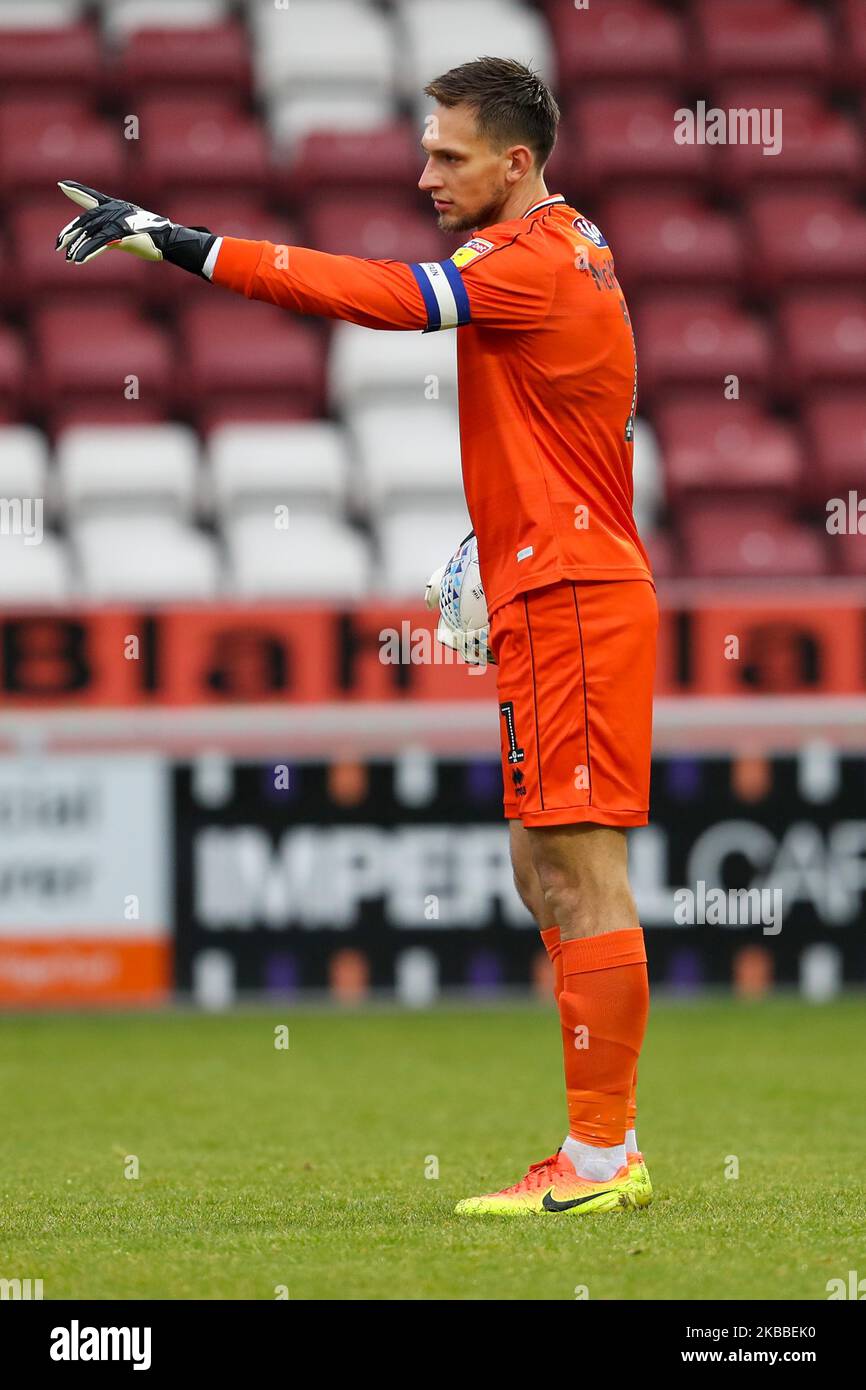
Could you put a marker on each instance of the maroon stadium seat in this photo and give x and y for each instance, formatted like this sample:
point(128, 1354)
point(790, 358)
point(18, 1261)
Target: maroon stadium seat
point(662, 552)
point(376, 228)
point(12, 373)
point(819, 144)
point(249, 410)
point(249, 354)
point(798, 237)
point(848, 554)
point(58, 62)
point(823, 340)
point(674, 240)
point(619, 40)
point(156, 61)
point(851, 53)
point(688, 341)
point(761, 38)
point(97, 410)
point(84, 356)
point(43, 140)
point(731, 450)
point(388, 159)
point(35, 268)
point(750, 543)
point(835, 425)
point(194, 143)
point(610, 140)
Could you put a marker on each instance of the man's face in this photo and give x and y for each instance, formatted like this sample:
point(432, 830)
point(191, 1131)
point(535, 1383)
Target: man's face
point(464, 175)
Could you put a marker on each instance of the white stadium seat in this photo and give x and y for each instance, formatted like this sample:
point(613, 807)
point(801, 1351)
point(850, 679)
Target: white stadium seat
point(33, 573)
point(256, 466)
point(649, 495)
point(316, 557)
point(145, 468)
point(144, 559)
point(23, 461)
point(368, 364)
point(406, 453)
point(39, 14)
point(436, 35)
point(314, 44)
point(290, 118)
point(122, 17)
point(413, 543)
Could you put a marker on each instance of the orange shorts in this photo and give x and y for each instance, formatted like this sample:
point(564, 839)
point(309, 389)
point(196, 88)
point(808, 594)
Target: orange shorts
point(575, 671)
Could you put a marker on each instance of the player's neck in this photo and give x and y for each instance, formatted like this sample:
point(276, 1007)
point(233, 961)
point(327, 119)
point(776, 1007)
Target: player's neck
point(521, 200)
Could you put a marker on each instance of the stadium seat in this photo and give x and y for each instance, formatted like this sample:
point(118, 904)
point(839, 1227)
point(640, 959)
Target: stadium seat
point(848, 554)
point(412, 542)
point(97, 354)
point(731, 450)
point(316, 557)
point(618, 41)
point(174, 59)
point(46, 139)
point(338, 44)
point(33, 573)
point(258, 467)
point(13, 372)
point(233, 349)
point(123, 558)
point(189, 142)
point(663, 554)
point(368, 365)
point(823, 340)
point(686, 341)
point(819, 145)
point(835, 426)
point(648, 477)
point(55, 60)
point(761, 38)
point(121, 17)
point(690, 244)
point(23, 461)
point(386, 160)
point(435, 35)
point(375, 227)
point(609, 140)
point(406, 453)
point(148, 469)
point(751, 543)
point(40, 14)
point(794, 234)
point(851, 51)
point(37, 270)
point(292, 118)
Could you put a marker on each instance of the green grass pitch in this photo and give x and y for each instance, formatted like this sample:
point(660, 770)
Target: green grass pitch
point(306, 1167)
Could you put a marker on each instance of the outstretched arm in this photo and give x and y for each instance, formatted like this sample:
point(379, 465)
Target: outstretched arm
point(378, 294)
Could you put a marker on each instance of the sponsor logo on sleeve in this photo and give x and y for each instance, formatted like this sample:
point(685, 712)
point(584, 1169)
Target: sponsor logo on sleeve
point(476, 247)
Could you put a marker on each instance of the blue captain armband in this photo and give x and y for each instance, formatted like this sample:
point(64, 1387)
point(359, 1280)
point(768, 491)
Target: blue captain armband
point(445, 297)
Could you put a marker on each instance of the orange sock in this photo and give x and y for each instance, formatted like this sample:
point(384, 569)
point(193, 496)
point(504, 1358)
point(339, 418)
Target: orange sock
point(553, 947)
point(631, 1108)
point(603, 1009)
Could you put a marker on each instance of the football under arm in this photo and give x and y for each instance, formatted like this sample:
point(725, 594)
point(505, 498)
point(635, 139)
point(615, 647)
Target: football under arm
point(376, 294)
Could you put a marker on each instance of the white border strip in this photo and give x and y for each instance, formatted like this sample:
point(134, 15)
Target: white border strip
point(681, 724)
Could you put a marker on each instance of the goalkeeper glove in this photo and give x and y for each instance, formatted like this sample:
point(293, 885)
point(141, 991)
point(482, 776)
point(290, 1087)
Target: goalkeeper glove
point(112, 224)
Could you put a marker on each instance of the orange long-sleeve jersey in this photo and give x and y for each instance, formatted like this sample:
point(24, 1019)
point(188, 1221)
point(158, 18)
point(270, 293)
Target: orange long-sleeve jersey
point(546, 380)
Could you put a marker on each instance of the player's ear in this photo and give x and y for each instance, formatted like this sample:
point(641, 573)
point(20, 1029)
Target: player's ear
point(522, 160)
